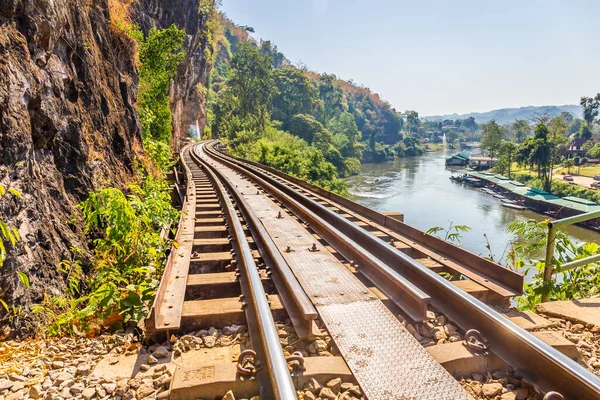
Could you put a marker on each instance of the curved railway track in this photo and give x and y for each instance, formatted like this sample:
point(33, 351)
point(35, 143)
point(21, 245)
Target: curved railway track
point(327, 257)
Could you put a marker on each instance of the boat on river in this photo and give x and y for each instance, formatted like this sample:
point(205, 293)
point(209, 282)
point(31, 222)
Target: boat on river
point(513, 205)
point(468, 180)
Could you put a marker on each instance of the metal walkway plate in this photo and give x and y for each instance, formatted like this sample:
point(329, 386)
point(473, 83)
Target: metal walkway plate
point(386, 360)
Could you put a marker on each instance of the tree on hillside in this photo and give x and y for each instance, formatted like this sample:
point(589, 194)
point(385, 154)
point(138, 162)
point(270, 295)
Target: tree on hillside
point(296, 94)
point(160, 54)
point(271, 50)
point(332, 97)
point(346, 135)
point(308, 128)
point(521, 128)
point(491, 138)
point(251, 83)
point(590, 108)
point(541, 152)
point(567, 116)
point(470, 124)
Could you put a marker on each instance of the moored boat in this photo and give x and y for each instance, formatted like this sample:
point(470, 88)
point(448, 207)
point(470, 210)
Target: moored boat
point(513, 205)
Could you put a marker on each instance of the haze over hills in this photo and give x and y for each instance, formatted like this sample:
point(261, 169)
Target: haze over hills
point(508, 115)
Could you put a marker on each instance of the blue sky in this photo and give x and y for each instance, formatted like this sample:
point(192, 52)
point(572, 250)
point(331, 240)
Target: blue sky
point(440, 57)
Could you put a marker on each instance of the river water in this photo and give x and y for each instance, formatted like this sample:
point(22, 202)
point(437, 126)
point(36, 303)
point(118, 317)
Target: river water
point(420, 188)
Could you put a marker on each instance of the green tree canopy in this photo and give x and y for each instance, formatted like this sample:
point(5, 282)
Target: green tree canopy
point(540, 151)
point(296, 94)
point(160, 54)
point(521, 129)
point(491, 138)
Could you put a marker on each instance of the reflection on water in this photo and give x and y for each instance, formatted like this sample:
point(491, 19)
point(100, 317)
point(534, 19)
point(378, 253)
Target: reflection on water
point(420, 188)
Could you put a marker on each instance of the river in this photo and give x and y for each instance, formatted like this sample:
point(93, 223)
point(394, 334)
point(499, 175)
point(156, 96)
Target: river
point(420, 188)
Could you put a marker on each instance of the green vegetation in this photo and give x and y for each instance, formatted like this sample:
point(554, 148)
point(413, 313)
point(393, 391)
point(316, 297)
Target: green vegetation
point(9, 236)
point(541, 152)
point(559, 187)
point(491, 138)
point(257, 99)
point(575, 284)
point(129, 255)
point(128, 250)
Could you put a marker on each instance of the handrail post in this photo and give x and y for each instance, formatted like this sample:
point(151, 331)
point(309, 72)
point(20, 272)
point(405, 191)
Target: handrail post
point(548, 270)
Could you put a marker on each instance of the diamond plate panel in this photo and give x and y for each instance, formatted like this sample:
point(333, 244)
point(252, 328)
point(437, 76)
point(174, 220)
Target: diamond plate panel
point(386, 360)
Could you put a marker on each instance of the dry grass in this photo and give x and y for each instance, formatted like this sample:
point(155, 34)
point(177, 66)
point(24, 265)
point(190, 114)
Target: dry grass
point(120, 14)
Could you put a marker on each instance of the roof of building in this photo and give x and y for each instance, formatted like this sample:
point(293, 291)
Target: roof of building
point(463, 155)
point(572, 202)
point(577, 203)
point(578, 142)
point(483, 158)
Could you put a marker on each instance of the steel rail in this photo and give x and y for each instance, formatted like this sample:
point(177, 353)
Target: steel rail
point(165, 312)
point(540, 363)
point(275, 381)
point(298, 305)
point(488, 269)
point(407, 296)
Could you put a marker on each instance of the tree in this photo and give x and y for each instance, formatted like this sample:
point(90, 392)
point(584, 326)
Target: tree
point(584, 131)
point(590, 108)
point(568, 164)
point(306, 127)
point(540, 151)
point(508, 153)
point(271, 50)
point(592, 148)
point(345, 134)
point(521, 129)
point(160, 54)
point(491, 138)
point(567, 116)
point(451, 137)
point(412, 120)
point(332, 97)
point(470, 124)
point(558, 127)
point(251, 84)
point(296, 94)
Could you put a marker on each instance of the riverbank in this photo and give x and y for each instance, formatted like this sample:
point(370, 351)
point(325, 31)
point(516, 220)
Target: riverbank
point(420, 188)
point(535, 199)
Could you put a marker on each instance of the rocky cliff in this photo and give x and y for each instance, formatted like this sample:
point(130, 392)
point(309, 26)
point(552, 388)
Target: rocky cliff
point(68, 85)
point(187, 98)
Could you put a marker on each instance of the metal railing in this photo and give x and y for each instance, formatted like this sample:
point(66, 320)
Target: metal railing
point(552, 228)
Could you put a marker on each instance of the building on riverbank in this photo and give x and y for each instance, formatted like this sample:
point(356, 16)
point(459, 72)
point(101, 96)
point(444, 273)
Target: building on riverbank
point(538, 200)
point(459, 159)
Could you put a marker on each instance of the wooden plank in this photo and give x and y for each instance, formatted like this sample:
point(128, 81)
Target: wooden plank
point(473, 288)
point(220, 312)
point(431, 264)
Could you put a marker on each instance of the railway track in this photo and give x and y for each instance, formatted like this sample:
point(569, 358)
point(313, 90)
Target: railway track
point(322, 256)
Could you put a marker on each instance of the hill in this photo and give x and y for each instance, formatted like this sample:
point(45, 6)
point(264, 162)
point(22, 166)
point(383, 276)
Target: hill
point(508, 115)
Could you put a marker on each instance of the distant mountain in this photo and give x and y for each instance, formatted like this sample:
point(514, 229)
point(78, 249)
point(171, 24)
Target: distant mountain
point(508, 115)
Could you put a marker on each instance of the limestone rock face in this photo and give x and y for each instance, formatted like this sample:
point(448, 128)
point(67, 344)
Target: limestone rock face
point(68, 85)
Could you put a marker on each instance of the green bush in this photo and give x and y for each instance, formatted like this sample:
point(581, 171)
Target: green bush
point(578, 283)
point(291, 155)
point(129, 255)
point(559, 188)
